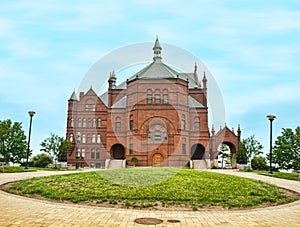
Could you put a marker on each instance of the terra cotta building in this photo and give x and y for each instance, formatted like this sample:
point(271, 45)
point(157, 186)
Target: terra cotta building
point(159, 116)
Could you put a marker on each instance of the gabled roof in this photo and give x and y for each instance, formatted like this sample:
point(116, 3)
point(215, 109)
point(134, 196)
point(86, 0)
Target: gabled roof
point(91, 92)
point(104, 98)
point(120, 104)
point(193, 103)
point(225, 130)
point(73, 96)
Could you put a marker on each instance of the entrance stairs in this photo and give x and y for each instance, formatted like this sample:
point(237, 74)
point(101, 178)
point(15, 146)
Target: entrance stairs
point(199, 164)
point(115, 164)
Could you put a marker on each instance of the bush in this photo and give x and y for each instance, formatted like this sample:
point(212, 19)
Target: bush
point(134, 160)
point(259, 163)
point(40, 160)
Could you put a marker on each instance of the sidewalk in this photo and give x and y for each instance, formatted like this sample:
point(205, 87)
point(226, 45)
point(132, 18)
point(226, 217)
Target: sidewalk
point(21, 211)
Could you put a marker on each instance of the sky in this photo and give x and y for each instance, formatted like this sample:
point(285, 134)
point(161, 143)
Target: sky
point(251, 48)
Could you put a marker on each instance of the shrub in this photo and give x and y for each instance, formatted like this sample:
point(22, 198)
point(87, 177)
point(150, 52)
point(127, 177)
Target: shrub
point(259, 163)
point(134, 160)
point(40, 160)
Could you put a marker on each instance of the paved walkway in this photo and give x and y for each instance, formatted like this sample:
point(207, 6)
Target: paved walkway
point(21, 211)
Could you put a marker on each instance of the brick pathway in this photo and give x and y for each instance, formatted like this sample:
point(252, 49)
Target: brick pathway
point(21, 211)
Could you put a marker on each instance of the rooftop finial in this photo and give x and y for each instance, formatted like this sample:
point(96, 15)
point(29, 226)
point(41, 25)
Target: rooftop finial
point(157, 51)
point(196, 75)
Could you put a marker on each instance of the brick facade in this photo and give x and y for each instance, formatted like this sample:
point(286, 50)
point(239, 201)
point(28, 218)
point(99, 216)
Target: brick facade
point(158, 116)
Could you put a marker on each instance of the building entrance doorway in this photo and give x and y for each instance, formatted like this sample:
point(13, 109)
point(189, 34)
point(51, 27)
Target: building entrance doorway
point(117, 151)
point(157, 160)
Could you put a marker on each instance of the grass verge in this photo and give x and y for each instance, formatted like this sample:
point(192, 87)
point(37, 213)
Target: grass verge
point(19, 169)
point(154, 187)
point(288, 176)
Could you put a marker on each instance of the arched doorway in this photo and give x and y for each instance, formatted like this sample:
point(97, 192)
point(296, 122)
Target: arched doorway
point(117, 151)
point(227, 155)
point(157, 159)
point(197, 152)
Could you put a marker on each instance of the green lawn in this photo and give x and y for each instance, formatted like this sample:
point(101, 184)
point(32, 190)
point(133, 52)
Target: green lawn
point(17, 169)
point(288, 176)
point(153, 187)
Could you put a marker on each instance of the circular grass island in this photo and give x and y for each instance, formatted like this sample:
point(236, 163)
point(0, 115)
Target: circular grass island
point(153, 188)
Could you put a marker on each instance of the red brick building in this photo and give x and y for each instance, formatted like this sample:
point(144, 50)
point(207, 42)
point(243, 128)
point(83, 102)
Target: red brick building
point(159, 116)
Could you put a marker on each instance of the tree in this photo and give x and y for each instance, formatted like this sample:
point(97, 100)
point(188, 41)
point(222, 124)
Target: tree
point(286, 152)
point(223, 152)
point(13, 145)
point(259, 163)
point(40, 160)
point(62, 153)
point(248, 149)
point(56, 147)
point(134, 160)
point(242, 153)
point(253, 147)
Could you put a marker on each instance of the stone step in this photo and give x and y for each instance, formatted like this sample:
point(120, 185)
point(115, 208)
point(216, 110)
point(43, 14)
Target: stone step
point(115, 164)
point(199, 164)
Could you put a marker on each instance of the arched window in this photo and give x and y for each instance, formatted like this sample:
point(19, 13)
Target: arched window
point(83, 138)
point(84, 122)
point(157, 133)
point(82, 152)
point(79, 123)
point(78, 153)
point(98, 138)
point(183, 123)
point(131, 149)
point(71, 138)
point(131, 123)
point(197, 124)
point(98, 154)
point(94, 123)
point(94, 138)
point(93, 154)
point(78, 137)
point(149, 96)
point(72, 122)
point(157, 99)
point(99, 123)
point(165, 96)
point(118, 124)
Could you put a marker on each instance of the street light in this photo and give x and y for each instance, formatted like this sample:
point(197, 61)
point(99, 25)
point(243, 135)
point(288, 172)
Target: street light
point(271, 117)
point(31, 114)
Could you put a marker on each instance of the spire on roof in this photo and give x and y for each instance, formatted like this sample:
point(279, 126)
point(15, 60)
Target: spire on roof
point(157, 51)
point(73, 96)
point(113, 78)
point(196, 75)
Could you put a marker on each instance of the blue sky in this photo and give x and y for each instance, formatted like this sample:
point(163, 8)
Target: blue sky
point(251, 48)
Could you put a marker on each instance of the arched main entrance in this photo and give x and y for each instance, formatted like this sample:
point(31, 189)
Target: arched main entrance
point(117, 151)
point(157, 159)
point(197, 152)
point(226, 155)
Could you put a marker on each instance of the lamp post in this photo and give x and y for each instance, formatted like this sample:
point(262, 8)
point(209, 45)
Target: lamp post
point(31, 114)
point(271, 117)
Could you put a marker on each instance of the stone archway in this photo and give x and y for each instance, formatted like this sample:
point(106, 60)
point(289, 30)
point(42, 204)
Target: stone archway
point(117, 151)
point(226, 157)
point(198, 152)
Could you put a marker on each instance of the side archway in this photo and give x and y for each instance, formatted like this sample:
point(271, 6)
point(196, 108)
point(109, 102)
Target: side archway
point(197, 152)
point(117, 151)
